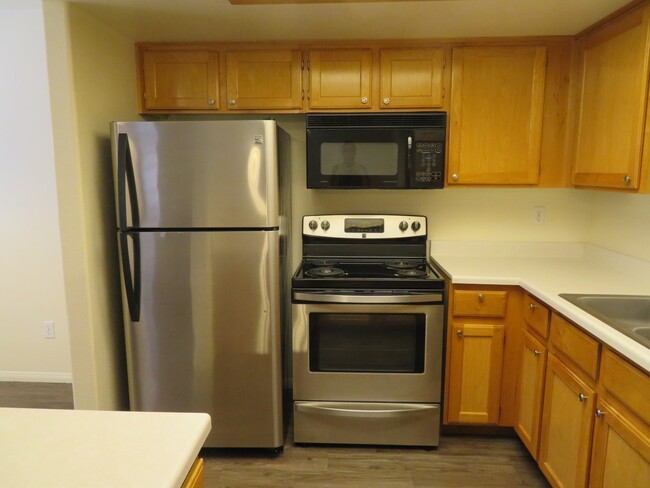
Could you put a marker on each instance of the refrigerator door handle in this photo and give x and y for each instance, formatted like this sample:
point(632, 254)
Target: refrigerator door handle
point(126, 180)
point(131, 279)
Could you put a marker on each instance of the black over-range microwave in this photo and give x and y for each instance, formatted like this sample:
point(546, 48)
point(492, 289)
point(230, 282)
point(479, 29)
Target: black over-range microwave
point(391, 151)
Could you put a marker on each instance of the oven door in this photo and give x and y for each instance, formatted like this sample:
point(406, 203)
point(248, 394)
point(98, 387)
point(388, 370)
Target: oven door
point(370, 352)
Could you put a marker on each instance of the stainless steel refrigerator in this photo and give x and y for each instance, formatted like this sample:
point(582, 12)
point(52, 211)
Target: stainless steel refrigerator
point(201, 246)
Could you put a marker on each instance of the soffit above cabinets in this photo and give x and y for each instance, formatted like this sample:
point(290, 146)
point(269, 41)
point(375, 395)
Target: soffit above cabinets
point(219, 20)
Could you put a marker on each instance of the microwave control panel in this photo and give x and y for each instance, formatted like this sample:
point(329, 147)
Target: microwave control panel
point(428, 166)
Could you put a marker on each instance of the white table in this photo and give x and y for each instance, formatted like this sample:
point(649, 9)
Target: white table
point(82, 448)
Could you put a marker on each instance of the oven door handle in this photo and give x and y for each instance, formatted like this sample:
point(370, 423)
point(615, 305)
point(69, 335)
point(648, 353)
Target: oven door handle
point(376, 299)
point(342, 410)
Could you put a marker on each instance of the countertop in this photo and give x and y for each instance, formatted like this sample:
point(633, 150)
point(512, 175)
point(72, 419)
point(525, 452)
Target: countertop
point(548, 269)
point(84, 448)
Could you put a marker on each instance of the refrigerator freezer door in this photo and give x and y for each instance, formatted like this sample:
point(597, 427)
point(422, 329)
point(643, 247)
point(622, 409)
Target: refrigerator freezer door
point(208, 338)
point(196, 174)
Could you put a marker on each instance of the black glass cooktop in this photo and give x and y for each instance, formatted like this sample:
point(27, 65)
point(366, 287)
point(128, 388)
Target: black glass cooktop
point(371, 273)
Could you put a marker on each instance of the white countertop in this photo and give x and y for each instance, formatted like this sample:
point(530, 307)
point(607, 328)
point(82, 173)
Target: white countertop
point(95, 449)
point(548, 269)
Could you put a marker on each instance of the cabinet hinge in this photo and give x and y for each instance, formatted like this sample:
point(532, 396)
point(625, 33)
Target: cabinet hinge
point(308, 65)
point(302, 64)
point(308, 98)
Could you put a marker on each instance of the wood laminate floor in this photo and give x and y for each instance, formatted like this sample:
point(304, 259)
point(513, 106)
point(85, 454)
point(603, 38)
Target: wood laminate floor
point(459, 461)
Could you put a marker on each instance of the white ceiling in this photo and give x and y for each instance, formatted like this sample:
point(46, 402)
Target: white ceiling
point(218, 20)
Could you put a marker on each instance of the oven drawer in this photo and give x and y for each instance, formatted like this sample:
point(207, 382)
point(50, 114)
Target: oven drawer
point(403, 424)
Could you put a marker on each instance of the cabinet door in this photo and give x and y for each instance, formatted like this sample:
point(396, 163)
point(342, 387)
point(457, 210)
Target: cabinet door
point(497, 98)
point(195, 478)
point(530, 389)
point(613, 94)
point(181, 80)
point(475, 376)
point(621, 450)
point(411, 78)
point(264, 79)
point(340, 78)
point(567, 422)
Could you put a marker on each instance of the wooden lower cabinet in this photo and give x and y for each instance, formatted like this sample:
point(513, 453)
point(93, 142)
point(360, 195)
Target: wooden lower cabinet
point(195, 478)
point(475, 377)
point(567, 423)
point(621, 450)
point(530, 390)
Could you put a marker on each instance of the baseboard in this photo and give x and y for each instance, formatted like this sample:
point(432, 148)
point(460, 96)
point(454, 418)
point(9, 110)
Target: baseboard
point(30, 377)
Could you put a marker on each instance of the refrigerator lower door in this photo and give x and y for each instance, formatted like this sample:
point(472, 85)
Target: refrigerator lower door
point(208, 335)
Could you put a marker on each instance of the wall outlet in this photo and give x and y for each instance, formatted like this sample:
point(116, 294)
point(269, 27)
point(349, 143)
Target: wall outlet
point(48, 329)
point(539, 215)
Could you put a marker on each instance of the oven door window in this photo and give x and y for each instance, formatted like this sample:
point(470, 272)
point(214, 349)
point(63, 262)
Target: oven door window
point(372, 343)
point(357, 158)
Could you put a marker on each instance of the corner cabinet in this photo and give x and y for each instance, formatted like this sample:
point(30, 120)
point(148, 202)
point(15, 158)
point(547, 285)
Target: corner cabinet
point(264, 80)
point(179, 80)
point(497, 102)
point(613, 70)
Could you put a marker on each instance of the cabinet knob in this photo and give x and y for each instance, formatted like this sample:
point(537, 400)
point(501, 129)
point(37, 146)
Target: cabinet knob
point(459, 332)
point(582, 397)
point(232, 101)
point(364, 99)
point(627, 180)
point(454, 177)
point(210, 101)
point(537, 353)
point(386, 101)
point(481, 297)
point(532, 306)
point(599, 413)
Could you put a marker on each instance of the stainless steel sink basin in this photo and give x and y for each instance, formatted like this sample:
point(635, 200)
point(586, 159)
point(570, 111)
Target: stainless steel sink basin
point(629, 314)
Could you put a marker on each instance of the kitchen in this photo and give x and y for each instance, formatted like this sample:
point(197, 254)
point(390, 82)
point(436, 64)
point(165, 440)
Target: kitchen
point(98, 86)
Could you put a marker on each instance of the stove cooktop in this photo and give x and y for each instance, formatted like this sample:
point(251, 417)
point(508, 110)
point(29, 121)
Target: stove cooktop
point(366, 274)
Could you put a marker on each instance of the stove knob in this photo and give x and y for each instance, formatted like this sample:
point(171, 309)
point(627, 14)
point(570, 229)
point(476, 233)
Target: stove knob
point(415, 226)
point(313, 225)
point(325, 225)
point(403, 225)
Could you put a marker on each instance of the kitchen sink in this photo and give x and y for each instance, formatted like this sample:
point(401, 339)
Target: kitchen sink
point(629, 314)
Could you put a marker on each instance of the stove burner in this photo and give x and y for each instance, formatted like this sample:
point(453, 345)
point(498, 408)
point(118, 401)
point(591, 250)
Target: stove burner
point(402, 264)
point(322, 262)
point(324, 271)
point(412, 273)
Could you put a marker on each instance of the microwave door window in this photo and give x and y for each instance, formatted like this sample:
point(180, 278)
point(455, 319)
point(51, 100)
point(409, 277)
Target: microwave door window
point(356, 163)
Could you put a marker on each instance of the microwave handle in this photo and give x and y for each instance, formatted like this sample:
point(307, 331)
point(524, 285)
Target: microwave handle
point(409, 141)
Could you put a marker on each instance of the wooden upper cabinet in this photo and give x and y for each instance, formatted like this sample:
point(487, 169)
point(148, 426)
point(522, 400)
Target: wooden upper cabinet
point(180, 80)
point(411, 78)
point(264, 79)
point(613, 69)
point(340, 78)
point(497, 98)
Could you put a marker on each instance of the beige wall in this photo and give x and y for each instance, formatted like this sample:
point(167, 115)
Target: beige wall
point(31, 268)
point(620, 222)
point(92, 66)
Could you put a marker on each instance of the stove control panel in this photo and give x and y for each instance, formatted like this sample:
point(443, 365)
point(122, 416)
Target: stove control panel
point(364, 226)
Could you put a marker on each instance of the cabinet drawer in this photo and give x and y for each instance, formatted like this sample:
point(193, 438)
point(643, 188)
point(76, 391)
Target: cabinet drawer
point(627, 383)
point(536, 315)
point(480, 303)
point(575, 345)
